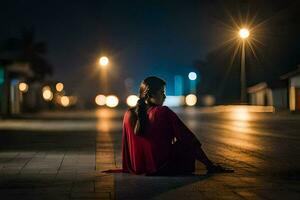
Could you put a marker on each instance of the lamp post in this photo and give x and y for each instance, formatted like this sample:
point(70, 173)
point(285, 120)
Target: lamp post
point(244, 34)
point(103, 62)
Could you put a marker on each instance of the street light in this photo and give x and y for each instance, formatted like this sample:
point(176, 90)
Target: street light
point(103, 61)
point(244, 34)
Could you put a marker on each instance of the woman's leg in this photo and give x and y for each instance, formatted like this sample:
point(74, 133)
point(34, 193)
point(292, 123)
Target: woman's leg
point(202, 157)
point(210, 166)
point(200, 154)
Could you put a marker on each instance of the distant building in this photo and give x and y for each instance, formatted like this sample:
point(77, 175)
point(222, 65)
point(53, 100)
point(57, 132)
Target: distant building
point(11, 74)
point(293, 79)
point(273, 93)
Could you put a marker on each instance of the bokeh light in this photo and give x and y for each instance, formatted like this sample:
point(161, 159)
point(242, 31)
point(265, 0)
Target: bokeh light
point(192, 76)
point(47, 94)
point(65, 101)
point(132, 100)
point(100, 100)
point(59, 87)
point(191, 100)
point(112, 101)
point(208, 100)
point(23, 87)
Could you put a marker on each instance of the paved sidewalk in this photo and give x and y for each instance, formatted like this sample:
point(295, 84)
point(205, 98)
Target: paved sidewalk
point(66, 161)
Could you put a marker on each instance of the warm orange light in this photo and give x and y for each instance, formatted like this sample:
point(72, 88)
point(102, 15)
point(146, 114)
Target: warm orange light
point(47, 95)
point(292, 98)
point(100, 100)
point(103, 61)
point(23, 87)
point(112, 101)
point(65, 101)
point(59, 87)
point(132, 100)
point(241, 114)
point(244, 33)
point(191, 100)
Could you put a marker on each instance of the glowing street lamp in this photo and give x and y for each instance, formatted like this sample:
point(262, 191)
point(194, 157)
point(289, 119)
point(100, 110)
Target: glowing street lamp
point(103, 61)
point(243, 34)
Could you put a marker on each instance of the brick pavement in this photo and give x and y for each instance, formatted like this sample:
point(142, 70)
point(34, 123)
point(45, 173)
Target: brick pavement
point(68, 165)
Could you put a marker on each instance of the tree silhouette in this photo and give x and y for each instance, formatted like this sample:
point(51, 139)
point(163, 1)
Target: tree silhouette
point(28, 50)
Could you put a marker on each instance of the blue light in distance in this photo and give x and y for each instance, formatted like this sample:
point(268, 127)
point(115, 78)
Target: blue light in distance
point(192, 76)
point(178, 85)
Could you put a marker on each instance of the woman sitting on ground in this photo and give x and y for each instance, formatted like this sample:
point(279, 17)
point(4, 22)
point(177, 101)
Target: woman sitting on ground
point(155, 141)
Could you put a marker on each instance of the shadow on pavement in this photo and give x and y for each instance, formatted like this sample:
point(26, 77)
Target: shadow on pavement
point(147, 187)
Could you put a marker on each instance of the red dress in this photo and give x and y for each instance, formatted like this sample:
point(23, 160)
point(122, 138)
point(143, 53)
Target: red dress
point(154, 153)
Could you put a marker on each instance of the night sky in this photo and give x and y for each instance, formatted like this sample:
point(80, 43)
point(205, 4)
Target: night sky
point(163, 38)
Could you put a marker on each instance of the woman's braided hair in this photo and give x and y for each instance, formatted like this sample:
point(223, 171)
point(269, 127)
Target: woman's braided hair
point(149, 86)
